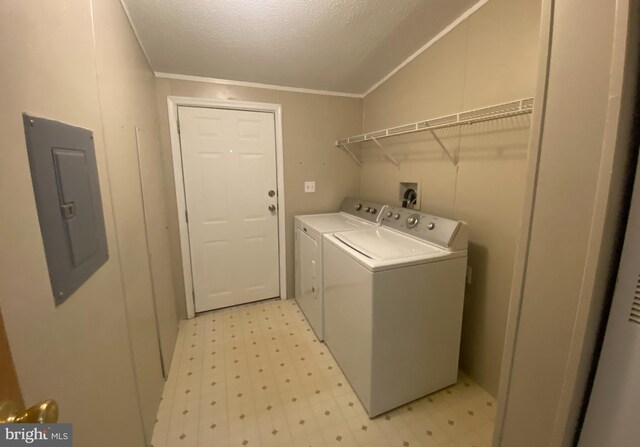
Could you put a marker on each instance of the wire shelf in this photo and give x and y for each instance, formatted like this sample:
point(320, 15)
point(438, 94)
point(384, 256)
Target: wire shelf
point(469, 117)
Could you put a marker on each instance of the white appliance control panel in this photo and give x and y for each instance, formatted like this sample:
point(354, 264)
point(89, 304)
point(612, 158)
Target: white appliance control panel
point(369, 211)
point(434, 229)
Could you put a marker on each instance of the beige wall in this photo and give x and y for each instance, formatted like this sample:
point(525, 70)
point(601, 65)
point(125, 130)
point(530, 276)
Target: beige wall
point(487, 59)
point(585, 156)
point(126, 86)
point(79, 353)
point(311, 123)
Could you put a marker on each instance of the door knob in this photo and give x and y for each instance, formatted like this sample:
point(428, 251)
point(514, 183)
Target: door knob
point(43, 413)
point(272, 208)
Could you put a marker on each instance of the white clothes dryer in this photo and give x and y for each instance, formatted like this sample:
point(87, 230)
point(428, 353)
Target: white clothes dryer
point(354, 214)
point(393, 299)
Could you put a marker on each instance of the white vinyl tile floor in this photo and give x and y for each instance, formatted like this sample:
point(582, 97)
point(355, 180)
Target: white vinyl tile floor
point(255, 375)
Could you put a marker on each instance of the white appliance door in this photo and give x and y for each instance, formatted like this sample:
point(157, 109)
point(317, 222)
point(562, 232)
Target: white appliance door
point(309, 290)
point(229, 165)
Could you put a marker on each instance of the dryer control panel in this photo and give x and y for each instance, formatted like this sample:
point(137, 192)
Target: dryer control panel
point(437, 230)
point(366, 210)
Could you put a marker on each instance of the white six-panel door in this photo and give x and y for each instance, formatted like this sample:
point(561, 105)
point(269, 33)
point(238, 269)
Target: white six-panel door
point(229, 169)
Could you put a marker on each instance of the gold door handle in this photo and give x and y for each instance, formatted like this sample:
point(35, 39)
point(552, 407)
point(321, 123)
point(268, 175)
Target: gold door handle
point(43, 413)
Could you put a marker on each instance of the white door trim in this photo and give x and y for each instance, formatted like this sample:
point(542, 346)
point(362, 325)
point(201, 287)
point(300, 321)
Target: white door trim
point(173, 102)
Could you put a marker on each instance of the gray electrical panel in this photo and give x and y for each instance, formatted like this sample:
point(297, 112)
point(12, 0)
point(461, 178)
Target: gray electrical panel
point(67, 192)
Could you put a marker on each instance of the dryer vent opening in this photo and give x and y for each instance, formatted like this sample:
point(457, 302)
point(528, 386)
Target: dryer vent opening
point(409, 195)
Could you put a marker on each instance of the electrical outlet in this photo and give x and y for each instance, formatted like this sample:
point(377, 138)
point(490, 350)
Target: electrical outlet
point(309, 186)
point(469, 273)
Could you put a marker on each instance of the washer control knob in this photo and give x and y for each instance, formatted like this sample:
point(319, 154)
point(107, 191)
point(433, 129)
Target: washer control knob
point(412, 221)
point(373, 210)
point(396, 216)
point(358, 206)
point(431, 226)
point(366, 209)
point(389, 214)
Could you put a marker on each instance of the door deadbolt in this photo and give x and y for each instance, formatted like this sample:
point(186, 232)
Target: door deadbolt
point(271, 193)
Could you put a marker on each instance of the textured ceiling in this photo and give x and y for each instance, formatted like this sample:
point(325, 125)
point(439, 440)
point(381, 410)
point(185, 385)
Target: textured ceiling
point(337, 45)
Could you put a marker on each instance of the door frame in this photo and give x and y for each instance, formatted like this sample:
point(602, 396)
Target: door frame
point(599, 255)
point(173, 102)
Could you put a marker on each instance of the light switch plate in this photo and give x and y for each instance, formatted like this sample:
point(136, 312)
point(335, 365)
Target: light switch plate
point(309, 186)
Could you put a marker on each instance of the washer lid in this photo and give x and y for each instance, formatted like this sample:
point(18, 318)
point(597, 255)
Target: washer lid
point(384, 245)
point(329, 223)
point(379, 249)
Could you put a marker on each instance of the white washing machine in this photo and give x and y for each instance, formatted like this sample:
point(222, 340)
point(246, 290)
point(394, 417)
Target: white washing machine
point(354, 214)
point(393, 298)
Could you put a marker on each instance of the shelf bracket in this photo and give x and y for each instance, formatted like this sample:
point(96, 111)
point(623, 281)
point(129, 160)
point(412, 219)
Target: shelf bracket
point(346, 148)
point(468, 117)
point(384, 151)
point(444, 148)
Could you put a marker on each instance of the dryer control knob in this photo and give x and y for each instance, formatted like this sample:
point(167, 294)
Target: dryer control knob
point(396, 217)
point(358, 206)
point(431, 226)
point(389, 214)
point(366, 209)
point(373, 210)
